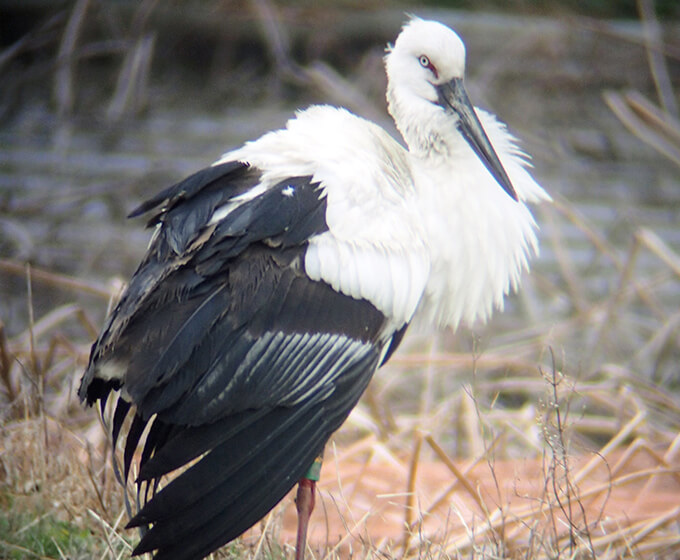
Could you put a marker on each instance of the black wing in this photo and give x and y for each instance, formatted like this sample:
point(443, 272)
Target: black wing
point(226, 351)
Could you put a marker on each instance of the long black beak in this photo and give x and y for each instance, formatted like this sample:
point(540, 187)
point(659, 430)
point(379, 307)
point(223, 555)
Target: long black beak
point(452, 96)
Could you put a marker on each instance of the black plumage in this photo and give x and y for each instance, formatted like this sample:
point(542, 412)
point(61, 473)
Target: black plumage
point(229, 353)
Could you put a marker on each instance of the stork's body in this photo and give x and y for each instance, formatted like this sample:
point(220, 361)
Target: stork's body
point(279, 279)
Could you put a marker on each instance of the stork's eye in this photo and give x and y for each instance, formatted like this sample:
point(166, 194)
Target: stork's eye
point(425, 63)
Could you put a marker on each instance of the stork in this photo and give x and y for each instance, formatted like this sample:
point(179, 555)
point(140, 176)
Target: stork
point(280, 278)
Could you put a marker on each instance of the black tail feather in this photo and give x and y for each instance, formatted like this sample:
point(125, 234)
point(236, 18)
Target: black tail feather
point(133, 437)
point(184, 445)
point(119, 415)
point(223, 511)
point(158, 435)
point(253, 505)
point(233, 456)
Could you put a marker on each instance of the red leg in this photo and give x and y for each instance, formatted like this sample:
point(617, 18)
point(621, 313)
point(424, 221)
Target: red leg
point(304, 503)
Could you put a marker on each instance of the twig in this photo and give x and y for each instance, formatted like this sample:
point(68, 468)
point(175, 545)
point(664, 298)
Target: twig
point(456, 472)
point(276, 39)
point(621, 108)
point(558, 447)
point(600, 243)
point(56, 279)
point(130, 94)
point(615, 299)
point(439, 500)
point(565, 263)
point(662, 121)
point(411, 491)
point(613, 443)
point(657, 63)
point(64, 76)
point(35, 39)
point(5, 366)
point(660, 248)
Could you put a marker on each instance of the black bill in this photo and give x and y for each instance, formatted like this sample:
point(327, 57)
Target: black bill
point(452, 96)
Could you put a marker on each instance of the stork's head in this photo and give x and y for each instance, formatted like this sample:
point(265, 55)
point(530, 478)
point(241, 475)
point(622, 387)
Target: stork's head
point(427, 99)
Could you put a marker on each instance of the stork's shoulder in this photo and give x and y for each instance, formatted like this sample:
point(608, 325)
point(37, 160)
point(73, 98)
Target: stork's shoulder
point(339, 149)
point(337, 127)
point(327, 127)
point(374, 246)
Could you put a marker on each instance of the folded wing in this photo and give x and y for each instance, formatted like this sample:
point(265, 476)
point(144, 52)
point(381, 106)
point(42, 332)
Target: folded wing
point(229, 356)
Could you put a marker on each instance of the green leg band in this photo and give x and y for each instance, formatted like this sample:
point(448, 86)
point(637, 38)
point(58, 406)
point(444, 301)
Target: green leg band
point(314, 472)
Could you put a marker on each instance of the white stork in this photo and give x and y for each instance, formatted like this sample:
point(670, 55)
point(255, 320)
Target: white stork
point(280, 278)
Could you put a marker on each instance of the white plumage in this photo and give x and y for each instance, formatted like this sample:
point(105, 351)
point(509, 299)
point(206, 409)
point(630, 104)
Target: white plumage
point(424, 231)
point(279, 279)
point(374, 247)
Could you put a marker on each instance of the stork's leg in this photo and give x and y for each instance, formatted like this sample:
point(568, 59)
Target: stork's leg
point(305, 505)
point(304, 502)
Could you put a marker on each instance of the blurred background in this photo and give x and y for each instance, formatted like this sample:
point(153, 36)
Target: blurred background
point(103, 103)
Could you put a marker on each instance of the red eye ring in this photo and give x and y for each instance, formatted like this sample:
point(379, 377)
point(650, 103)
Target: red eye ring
point(425, 63)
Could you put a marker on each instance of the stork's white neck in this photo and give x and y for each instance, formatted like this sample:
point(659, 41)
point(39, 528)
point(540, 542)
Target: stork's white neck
point(426, 129)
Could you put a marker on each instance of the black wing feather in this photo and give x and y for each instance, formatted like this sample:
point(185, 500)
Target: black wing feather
point(244, 477)
point(188, 188)
point(242, 363)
